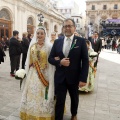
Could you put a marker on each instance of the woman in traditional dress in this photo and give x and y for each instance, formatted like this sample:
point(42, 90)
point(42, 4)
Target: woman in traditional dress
point(38, 95)
point(92, 71)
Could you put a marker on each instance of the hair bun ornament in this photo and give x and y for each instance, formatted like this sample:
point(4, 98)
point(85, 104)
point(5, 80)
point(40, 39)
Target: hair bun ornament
point(39, 27)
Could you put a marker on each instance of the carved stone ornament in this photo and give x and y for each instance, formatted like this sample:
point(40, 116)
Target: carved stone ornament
point(115, 16)
point(104, 17)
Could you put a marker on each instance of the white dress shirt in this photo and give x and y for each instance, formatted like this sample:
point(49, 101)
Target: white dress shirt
point(65, 42)
point(95, 40)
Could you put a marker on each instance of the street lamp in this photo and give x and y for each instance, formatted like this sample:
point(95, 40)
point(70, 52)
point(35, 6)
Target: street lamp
point(40, 18)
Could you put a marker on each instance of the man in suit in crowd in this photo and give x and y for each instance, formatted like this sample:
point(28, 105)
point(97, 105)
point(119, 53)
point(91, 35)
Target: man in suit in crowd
point(2, 53)
point(71, 68)
point(25, 46)
point(15, 49)
point(96, 45)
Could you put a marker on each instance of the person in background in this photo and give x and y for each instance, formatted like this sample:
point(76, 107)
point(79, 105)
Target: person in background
point(96, 45)
point(1, 45)
point(53, 37)
point(61, 35)
point(113, 44)
point(103, 43)
point(7, 42)
point(92, 71)
point(29, 37)
point(111, 40)
point(75, 33)
point(2, 53)
point(25, 46)
point(118, 46)
point(108, 40)
point(15, 50)
point(4, 44)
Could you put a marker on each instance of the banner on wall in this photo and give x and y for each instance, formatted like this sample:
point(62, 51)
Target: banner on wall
point(114, 29)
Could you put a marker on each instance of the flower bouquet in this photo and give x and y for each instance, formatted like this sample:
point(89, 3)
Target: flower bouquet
point(93, 54)
point(20, 75)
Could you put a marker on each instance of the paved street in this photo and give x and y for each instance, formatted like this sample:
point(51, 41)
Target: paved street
point(102, 104)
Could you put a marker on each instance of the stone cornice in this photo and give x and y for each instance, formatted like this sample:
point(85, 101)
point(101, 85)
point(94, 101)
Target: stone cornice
point(102, 1)
point(104, 13)
point(94, 11)
point(101, 10)
point(46, 11)
point(53, 13)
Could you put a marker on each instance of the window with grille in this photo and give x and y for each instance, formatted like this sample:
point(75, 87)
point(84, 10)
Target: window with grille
point(93, 7)
point(104, 7)
point(30, 21)
point(4, 14)
point(115, 6)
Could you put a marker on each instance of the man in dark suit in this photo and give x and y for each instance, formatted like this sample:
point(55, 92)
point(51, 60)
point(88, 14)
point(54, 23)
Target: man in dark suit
point(25, 46)
point(96, 45)
point(71, 68)
point(15, 50)
point(2, 54)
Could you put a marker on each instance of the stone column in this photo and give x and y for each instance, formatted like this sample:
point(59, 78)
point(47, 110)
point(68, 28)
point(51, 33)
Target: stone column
point(19, 22)
point(15, 25)
point(51, 26)
point(24, 20)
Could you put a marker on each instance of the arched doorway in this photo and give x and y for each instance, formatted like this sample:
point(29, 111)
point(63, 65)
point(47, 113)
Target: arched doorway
point(30, 25)
point(47, 27)
point(55, 29)
point(5, 24)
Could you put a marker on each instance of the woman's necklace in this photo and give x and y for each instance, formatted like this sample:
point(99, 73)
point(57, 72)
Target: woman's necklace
point(39, 47)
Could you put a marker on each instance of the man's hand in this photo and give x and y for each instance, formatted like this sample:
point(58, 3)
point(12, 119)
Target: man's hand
point(82, 84)
point(57, 58)
point(65, 62)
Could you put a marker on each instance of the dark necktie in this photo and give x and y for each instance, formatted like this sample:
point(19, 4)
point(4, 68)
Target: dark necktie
point(95, 40)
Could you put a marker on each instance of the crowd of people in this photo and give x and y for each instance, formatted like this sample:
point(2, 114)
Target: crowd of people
point(17, 47)
point(112, 43)
point(4, 44)
point(55, 66)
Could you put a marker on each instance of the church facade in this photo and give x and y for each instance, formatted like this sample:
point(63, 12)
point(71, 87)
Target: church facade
point(21, 15)
point(102, 13)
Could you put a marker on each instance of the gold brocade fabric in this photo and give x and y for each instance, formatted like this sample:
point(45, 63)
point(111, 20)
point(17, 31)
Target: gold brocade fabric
point(24, 116)
point(34, 106)
point(40, 55)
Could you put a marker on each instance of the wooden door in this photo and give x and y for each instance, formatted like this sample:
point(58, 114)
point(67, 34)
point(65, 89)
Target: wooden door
point(30, 29)
point(5, 29)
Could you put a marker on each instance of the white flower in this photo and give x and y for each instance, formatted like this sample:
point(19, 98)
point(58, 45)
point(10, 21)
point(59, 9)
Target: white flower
point(20, 73)
point(93, 54)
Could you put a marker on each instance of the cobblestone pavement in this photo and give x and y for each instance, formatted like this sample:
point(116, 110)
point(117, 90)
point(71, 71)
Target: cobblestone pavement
point(101, 104)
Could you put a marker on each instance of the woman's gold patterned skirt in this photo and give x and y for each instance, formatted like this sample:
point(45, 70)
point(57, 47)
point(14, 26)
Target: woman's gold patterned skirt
point(25, 116)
